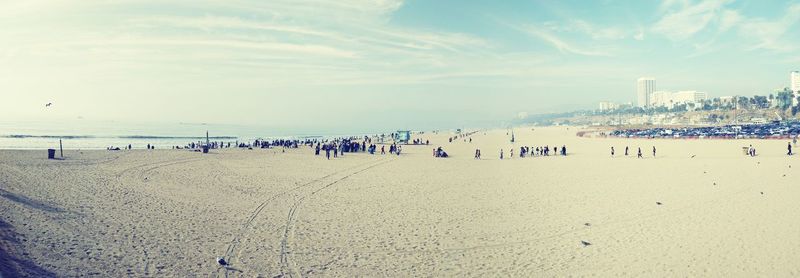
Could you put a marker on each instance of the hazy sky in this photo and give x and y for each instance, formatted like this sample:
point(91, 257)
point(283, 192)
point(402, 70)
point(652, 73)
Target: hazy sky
point(385, 63)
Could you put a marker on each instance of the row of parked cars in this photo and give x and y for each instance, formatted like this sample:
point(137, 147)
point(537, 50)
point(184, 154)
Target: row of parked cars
point(776, 129)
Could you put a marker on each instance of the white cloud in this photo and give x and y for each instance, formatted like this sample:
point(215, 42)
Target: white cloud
point(777, 35)
point(689, 19)
point(639, 35)
point(559, 43)
point(729, 19)
point(599, 33)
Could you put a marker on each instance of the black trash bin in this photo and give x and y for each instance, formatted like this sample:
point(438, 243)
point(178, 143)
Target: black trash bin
point(51, 153)
point(205, 149)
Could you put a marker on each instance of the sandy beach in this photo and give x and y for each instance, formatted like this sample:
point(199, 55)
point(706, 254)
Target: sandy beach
point(700, 208)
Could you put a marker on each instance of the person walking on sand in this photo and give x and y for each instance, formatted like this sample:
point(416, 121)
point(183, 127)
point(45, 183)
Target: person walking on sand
point(328, 152)
point(654, 151)
point(511, 153)
point(640, 153)
point(626, 150)
point(790, 149)
point(477, 153)
point(612, 151)
point(501, 154)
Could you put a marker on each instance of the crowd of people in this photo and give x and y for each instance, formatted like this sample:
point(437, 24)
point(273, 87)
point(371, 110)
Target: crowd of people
point(340, 146)
point(525, 151)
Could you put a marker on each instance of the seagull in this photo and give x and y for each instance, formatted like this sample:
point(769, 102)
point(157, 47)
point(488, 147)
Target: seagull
point(658, 203)
point(587, 224)
point(221, 261)
point(693, 156)
point(48, 104)
point(585, 243)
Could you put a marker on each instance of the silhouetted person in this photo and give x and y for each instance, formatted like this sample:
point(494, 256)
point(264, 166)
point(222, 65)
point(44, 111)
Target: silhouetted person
point(612, 151)
point(790, 149)
point(639, 155)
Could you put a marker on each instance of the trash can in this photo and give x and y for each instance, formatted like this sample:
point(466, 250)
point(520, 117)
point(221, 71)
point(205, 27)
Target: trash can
point(205, 149)
point(51, 153)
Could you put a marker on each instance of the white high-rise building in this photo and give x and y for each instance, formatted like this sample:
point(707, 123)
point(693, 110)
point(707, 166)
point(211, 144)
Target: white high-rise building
point(644, 87)
point(794, 79)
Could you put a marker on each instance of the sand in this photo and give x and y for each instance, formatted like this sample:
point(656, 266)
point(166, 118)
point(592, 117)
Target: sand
point(270, 213)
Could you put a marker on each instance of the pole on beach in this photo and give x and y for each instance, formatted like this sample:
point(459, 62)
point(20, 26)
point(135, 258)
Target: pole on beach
point(207, 146)
point(61, 147)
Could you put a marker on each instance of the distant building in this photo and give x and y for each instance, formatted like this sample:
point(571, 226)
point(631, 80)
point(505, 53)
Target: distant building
point(661, 98)
point(644, 87)
point(669, 99)
point(608, 106)
point(794, 78)
point(689, 97)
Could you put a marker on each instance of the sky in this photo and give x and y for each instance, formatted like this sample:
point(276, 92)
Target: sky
point(377, 64)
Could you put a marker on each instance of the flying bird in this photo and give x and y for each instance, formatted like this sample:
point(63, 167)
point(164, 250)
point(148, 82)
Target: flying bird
point(48, 104)
point(585, 243)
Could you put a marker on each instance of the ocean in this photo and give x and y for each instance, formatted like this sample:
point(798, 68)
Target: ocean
point(82, 134)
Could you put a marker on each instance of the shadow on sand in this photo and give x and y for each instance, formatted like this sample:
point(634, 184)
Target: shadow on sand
point(29, 202)
point(12, 263)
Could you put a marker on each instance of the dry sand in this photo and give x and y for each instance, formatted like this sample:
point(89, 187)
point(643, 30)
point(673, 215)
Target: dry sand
point(172, 212)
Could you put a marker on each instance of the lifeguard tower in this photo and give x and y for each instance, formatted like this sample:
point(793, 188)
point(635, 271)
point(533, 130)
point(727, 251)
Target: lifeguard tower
point(402, 136)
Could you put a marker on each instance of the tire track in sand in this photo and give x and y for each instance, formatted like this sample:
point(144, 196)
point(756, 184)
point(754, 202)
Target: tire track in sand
point(288, 268)
point(230, 253)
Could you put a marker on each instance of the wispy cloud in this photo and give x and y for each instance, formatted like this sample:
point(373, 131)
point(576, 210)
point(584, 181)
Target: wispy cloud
point(777, 34)
point(687, 19)
point(599, 32)
point(559, 43)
